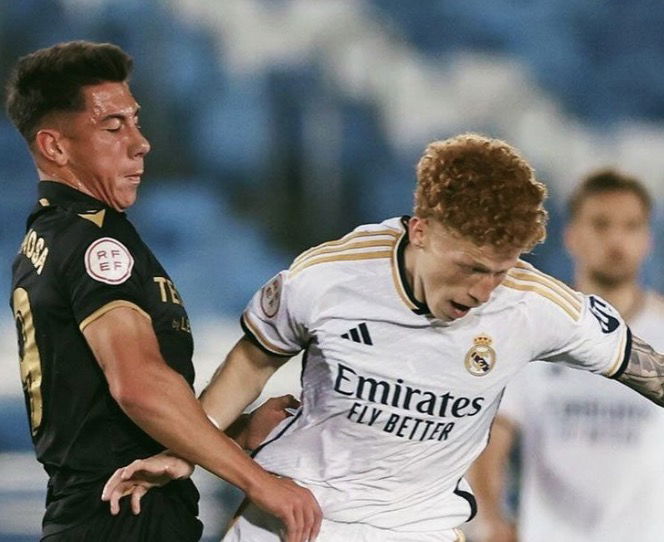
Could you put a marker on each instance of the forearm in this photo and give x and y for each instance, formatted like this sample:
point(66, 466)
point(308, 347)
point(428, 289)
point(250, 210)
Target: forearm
point(159, 400)
point(487, 474)
point(645, 371)
point(237, 383)
point(167, 410)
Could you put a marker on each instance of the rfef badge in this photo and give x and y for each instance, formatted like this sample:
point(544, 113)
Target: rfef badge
point(481, 358)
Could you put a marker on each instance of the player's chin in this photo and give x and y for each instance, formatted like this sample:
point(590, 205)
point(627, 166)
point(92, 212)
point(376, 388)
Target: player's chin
point(126, 198)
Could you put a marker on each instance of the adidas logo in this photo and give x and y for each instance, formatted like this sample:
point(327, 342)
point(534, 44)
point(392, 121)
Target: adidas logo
point(359, 334)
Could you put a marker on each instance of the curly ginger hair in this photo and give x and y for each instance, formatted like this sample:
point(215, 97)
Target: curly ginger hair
point(483, 190)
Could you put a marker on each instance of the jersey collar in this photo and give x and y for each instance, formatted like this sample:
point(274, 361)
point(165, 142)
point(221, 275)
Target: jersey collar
point(55, 193)
point(399, 273)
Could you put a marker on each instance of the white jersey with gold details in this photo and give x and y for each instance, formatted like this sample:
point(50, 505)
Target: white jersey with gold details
point(395, 403)
point(592, 464)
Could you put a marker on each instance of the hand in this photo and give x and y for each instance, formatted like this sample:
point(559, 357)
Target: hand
point(291, 503)
point(137, 478)
point(264, 419)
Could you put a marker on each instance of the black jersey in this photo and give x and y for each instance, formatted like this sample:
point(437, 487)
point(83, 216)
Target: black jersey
point(79, 259)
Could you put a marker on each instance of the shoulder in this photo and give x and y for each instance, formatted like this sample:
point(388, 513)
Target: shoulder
point(85, 237)
point(365, 244)
point(529, 285)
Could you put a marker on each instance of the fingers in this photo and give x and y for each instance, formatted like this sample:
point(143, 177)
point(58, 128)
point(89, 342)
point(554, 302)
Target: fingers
point(291, 402)
point(302, 522)
point(136, 495)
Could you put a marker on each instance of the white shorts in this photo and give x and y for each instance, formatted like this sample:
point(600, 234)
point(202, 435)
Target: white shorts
point(254, 525)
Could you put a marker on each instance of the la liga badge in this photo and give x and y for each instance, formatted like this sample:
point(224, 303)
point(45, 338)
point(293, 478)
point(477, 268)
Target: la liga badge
point(271, 296)
point(108, 260)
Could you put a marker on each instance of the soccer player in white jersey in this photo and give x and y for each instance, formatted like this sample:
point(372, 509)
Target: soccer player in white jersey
point(411, 329)
point(591, 461)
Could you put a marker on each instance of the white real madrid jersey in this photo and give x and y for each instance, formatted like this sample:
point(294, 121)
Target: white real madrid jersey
point(592, 464)
point(396, 404)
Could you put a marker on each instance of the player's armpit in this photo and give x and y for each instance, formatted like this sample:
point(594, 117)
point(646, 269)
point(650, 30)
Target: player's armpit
point(644, 371)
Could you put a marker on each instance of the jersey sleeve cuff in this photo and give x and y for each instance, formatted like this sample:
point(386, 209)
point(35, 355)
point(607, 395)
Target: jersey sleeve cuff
point(626, 355)
point(110, 306)
point(255, 336)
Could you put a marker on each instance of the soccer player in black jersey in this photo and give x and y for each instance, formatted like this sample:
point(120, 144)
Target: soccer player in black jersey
point(104, 341)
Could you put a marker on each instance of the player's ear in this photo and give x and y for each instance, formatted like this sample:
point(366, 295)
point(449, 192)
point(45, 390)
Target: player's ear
point(417, 227)
point(49, 145)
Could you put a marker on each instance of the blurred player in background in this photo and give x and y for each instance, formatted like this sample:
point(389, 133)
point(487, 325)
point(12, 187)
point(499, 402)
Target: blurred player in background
point(411, 329)
point(591, 456)
point(104, 340)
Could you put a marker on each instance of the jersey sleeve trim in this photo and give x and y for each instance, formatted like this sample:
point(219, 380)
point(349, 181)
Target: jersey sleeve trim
point(110, 306)
point(627, 352)
point(256, 337)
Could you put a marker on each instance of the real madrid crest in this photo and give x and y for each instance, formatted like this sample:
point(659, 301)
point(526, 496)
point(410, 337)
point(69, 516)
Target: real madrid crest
point(481, 358)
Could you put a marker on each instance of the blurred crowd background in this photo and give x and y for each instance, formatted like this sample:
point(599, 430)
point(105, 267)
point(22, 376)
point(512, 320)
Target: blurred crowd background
point(278, 124)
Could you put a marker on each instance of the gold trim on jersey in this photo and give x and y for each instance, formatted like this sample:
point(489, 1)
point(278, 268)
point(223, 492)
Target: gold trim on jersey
point(349, 248)
point(528, 279)
point(353, 256)
point(619, 358)
point(522, 269)
point(264, 340)
point(110, 306)
point(339, 243)
point(396, 275)
point(573, 312)
point(96, 218)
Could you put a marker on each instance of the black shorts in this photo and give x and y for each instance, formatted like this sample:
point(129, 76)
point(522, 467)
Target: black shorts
point(163, 518)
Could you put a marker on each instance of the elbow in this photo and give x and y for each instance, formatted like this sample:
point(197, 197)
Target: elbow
point(133, 401)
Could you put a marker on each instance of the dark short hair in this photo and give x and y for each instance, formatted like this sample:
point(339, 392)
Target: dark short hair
point(607, 180)
point(50, 80)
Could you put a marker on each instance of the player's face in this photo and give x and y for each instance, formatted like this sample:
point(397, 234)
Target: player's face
point(104, 145)
point(451, 274)
point(610, 237)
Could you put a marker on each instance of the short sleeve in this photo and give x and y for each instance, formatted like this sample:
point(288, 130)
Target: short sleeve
point(276, 318)
point(101, 273)
point(599, 341)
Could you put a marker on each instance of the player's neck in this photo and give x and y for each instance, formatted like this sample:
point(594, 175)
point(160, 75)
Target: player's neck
point(411, 277)
point(627, 297)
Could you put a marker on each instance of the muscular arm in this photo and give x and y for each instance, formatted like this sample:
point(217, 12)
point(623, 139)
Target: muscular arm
point(644, 371)
point(158, 399)
point(161, 403)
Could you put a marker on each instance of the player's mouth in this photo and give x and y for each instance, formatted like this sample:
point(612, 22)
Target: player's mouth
point(135, 178)
point(459, 310)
